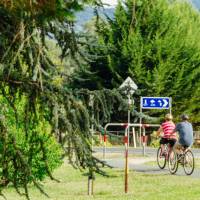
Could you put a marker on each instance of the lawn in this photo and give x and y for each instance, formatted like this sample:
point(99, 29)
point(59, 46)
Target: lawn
point(73, 186)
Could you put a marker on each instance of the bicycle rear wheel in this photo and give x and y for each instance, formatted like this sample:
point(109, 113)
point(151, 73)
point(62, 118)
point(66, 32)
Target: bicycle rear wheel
point(188, 163)
point(161, 159)
point(172, 162)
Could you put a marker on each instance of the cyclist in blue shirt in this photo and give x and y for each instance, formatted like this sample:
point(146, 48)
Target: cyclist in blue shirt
point(185, 132)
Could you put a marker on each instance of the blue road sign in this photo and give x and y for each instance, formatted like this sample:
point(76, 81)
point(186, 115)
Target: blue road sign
point(155, 103)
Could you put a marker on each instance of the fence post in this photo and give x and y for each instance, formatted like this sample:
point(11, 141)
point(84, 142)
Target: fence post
point(104, 145)
point(143, 140)
point(134, 138)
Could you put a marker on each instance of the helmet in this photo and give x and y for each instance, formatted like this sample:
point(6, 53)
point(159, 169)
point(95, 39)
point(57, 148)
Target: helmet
point(184, 117)
point(168, 117)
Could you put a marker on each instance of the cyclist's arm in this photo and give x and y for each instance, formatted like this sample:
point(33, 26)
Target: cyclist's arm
point(159, 131)
point(176, 131)
point(174, 137)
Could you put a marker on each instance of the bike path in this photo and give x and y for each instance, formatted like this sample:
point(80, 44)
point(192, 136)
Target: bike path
point(138, 151)
point(141, 165)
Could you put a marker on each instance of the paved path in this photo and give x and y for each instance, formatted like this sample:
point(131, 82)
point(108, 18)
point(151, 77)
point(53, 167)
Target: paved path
point(139, 151)
point(140, 164)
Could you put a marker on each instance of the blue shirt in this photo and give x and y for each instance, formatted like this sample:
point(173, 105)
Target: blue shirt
point(185, 131)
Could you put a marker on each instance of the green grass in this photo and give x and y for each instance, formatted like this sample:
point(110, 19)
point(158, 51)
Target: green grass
point(73, 186)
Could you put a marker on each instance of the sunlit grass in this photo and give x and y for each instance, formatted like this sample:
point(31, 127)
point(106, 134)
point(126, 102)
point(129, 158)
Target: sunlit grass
point(73, 186)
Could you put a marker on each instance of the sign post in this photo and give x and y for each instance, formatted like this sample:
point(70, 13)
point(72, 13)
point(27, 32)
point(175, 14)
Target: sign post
point(156, 103)
point(129, 88)
point(153, 103)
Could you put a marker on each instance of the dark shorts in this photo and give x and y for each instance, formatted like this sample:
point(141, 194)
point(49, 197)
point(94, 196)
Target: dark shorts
point(171, 142)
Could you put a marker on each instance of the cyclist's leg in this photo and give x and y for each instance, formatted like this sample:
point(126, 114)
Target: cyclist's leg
point(177, 147)
point(172, 142)
point(185, 148)
point(163, 141)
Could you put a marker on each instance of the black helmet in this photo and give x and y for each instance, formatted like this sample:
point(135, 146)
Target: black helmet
point(184, 117)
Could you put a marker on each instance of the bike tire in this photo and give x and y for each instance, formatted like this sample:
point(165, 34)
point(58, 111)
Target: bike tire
point(173, 162)
point(161, 160)
point(188, 163)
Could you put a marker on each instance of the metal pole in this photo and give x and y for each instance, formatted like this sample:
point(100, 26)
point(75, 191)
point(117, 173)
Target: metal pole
point(126, 141)
point(140, 130)
point(104, 145)
point(105, 136)
point(170, 105)
point(134, 138)
point(143, 140)
point(129, 115)
point(126, 159)
point(127, 145)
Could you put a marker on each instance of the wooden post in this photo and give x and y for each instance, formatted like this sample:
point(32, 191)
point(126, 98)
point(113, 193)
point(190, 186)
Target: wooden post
point(91, 183)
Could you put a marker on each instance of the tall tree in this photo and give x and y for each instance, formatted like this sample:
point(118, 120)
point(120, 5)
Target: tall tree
point(28, 76)
point(157, 44)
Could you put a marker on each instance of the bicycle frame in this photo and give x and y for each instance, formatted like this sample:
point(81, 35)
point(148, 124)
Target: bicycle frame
point(185, 158)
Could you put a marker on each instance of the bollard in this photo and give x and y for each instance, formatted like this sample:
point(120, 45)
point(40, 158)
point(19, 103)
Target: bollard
point(91, 178)
point(143, 141)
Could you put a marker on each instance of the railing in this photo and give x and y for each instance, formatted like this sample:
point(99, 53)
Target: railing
point(126, 142)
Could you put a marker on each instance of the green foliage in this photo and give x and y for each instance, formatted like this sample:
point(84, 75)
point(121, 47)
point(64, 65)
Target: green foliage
point(39, 93)
point(157, 44)
point(155, 140)
point(25, 158)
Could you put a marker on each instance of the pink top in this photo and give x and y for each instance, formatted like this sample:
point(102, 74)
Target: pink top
point(168, 128)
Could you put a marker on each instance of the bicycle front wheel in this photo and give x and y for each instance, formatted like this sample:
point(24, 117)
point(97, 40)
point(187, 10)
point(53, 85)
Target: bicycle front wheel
point(188, 163)
point(173, 162)
point(161, 159)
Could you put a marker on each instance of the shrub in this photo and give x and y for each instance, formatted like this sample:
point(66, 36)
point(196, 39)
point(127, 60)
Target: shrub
point(26, 155)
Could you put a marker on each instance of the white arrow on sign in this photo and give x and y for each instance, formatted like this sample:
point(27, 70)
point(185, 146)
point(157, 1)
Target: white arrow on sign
point(165, 102)
point(129, 83)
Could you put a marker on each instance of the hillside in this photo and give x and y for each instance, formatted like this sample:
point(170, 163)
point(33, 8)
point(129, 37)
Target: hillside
point(88, 13)
point(196, 3)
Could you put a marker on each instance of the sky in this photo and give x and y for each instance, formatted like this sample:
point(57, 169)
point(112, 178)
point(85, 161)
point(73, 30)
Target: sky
point(113, 3)
point(110, 2)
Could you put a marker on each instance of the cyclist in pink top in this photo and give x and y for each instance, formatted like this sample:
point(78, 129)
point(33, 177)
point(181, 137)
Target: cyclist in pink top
point(168, 134)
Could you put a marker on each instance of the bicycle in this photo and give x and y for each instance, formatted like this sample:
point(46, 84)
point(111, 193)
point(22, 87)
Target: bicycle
point(185, 158)
point(162, 156)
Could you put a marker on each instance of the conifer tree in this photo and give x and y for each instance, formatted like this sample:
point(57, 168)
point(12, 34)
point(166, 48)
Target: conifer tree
point(28, 76)
point(156, 42)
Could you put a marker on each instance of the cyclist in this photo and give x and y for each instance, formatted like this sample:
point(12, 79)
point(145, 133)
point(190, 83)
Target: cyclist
point(185, 132)
point(169, 136)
